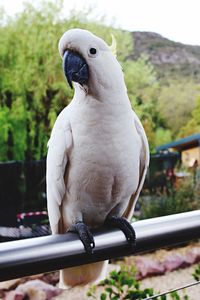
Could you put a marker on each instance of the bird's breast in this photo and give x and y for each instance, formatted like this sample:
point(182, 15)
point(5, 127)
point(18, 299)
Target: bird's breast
point(103, 165)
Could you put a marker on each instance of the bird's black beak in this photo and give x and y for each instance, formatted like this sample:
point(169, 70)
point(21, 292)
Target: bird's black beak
point(75, 68)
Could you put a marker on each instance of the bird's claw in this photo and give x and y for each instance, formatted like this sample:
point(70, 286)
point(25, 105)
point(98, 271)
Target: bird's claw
point(85, 236)
point(125, 226)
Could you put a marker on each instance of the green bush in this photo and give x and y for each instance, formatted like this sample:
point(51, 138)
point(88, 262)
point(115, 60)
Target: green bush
point(123, 285)
point(196, 274)
point(181, 199)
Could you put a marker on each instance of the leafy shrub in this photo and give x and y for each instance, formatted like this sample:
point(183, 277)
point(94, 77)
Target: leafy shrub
point(121, 285)
point(196, 273)
point(181, 199)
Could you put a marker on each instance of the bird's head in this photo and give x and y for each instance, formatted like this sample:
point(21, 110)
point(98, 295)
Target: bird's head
point(89, 61)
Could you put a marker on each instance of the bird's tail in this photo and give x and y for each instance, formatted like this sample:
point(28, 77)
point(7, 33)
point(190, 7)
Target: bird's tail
point(81, 275)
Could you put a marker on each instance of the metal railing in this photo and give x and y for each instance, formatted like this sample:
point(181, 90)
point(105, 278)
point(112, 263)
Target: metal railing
point(50, 253)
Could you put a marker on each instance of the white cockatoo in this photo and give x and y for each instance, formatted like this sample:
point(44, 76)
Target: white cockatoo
point(98, 152)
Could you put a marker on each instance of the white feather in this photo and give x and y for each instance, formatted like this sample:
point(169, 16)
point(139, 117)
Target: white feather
point(58, 147)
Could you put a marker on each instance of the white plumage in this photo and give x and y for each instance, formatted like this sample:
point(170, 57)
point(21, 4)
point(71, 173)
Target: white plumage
point(97, 153)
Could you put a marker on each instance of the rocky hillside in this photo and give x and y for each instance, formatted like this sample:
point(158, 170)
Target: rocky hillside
point(169, 58)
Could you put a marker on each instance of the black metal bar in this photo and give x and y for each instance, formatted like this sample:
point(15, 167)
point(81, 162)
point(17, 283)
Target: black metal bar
point(45, 254)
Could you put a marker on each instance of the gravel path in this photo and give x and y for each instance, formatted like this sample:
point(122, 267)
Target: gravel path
point(173, 280)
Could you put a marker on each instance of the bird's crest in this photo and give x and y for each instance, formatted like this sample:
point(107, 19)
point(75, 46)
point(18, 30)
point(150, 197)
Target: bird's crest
point(113, 46)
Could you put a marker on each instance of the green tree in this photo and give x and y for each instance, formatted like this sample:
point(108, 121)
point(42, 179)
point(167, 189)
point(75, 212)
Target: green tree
point(163, 136)
point(176, 102)
point(32, 87)
point(142, 88)
point(193, 125)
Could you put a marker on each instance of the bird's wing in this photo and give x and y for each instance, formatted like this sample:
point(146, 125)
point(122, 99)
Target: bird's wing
point(58, 148)
point(144, 163)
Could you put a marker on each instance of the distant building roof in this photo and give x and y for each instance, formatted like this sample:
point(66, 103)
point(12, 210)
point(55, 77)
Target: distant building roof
point(182, 144)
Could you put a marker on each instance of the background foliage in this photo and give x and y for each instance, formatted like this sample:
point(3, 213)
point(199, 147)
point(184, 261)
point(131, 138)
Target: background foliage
point(33, 90)
point(182, 198)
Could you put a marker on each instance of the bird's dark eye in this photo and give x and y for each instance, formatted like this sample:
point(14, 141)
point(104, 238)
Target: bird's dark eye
point(93, 51)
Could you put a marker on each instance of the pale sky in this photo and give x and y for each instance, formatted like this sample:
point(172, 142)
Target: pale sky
point(178, 20)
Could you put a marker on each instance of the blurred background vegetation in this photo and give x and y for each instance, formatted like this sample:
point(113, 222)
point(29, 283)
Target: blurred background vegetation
point(33, 89)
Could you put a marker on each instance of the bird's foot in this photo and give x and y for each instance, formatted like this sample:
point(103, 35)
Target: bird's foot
point(85, 236)
point(124, 226)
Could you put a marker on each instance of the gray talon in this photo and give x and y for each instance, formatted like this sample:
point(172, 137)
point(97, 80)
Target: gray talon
point(124, 225)
point(85, 236)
